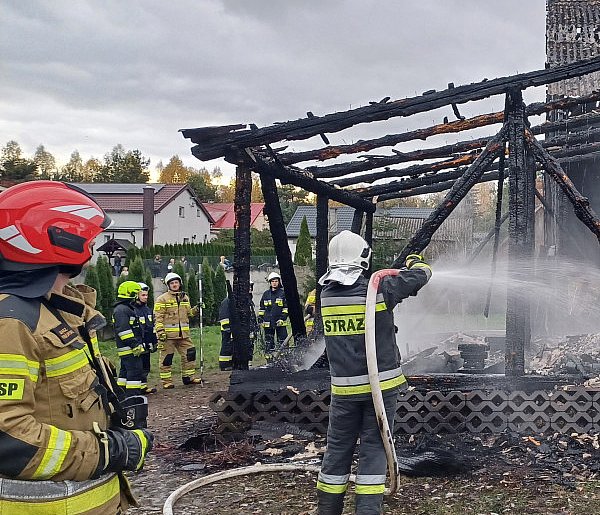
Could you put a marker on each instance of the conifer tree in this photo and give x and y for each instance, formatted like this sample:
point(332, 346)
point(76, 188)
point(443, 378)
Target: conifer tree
point(137, 271)
point(207, 293)
point(303, 255)
point(91, 279)
point(105, 281)
point(148, 281)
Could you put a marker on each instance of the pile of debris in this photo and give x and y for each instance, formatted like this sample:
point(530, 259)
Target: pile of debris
point(577, 355)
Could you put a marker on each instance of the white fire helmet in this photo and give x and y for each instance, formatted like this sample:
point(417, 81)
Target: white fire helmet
point(273, 275)
point(171, 276)
point(144, 286)
point(349, 249)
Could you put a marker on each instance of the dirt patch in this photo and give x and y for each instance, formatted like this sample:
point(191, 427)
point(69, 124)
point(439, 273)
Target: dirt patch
point(508, 473)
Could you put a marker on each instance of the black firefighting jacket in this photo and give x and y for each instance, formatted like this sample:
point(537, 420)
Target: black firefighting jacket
point(343, 311)
point(128, 333)
point(273, 307)
point(145, 318)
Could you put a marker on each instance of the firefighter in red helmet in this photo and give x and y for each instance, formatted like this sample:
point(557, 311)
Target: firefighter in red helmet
point(54, 418)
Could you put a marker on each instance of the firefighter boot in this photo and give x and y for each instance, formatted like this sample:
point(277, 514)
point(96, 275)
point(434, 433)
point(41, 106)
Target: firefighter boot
point(191, 380)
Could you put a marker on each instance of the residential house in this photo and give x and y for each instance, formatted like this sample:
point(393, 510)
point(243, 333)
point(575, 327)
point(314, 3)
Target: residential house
point(223, 214)
point(151, 214)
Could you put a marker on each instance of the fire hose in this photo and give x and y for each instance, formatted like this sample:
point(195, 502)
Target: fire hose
point(384, 427)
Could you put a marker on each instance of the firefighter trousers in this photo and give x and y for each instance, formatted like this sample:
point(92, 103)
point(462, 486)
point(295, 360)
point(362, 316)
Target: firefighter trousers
point(187, 352)
point(226, 353)
point(270, 337)
point(350, 419)
point(131, 375)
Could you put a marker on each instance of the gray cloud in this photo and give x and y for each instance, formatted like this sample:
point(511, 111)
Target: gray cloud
point(92, 73)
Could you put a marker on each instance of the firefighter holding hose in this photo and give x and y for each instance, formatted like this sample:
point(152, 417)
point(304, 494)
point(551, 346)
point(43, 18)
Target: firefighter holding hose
point(352, 413)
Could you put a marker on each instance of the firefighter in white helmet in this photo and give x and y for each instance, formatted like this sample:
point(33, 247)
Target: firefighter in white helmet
point(273, 313)
point(172, 312)
point(351, 413)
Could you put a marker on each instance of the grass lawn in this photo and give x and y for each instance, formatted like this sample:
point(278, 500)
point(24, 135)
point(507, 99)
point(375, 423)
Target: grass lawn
point(211, 343)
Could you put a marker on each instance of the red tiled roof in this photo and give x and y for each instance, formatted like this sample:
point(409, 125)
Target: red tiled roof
point(134, 202)
point(224, 213)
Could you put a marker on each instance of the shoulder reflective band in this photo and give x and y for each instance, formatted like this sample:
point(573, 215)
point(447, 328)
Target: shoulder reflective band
point(12, 389)
point(54, 455)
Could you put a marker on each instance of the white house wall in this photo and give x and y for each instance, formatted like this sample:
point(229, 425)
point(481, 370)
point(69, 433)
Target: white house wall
point(169, 227)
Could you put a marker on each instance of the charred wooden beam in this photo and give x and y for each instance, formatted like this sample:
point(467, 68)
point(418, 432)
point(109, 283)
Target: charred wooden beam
point(370, 162)
point(567, 124)
point(390, 140)
point(369, 234)
point(296, 178)
point(448, 151)
point(521, 222)
point(242, 351)
point(282, 250)
point(208, 147)
point(581, 204)
point(321, 258)
point(409, 171)
point(460, 188)
point(443, 185)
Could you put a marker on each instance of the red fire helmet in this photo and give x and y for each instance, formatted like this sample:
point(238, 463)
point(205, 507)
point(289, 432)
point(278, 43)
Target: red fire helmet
point(45, 223)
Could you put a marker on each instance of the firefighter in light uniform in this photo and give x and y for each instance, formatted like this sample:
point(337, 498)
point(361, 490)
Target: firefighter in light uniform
point(226, 353)
point(145, 318)
point(351, 414)
point(309, 311)
point(57, 451)
point(273, 313)
point(172, 312)
point(128, 337)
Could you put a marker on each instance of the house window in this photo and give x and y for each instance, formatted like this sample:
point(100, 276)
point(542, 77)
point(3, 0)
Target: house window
point(186, 240)
point(106, 238)
point(181, 212)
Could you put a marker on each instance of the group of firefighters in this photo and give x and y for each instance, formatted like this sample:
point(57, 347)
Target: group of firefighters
point(69, 429)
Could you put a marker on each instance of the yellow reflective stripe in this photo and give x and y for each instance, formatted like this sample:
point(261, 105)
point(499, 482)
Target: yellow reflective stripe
point(159, 324)
point(366, 388)
point(19, 365)
point(350, 309)
point(124, 352)
point(331, 489)
point(95, 346)
point(144, 443)
point(66, 363)
point(165, 375)
point(54, 455)
point(74, 505)
point(420, 265)
point(369, 489)
point(225, 358)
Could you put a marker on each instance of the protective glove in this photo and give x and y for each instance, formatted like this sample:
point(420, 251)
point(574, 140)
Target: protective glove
point(124, 449)
point(416, 262)
point(195, 310)
point(151, 346)
point(138, 350)
point(412, 259)
point(162, 337)
point(280, 323)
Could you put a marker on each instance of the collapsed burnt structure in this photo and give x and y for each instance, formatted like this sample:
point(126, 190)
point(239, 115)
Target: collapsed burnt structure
point(513, 155)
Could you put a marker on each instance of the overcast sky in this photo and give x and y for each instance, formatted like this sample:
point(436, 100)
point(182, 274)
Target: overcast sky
point(88, 74)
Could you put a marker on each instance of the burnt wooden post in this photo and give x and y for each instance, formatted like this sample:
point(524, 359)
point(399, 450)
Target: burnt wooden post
point(357, 220)
point(241, 266)
point(521, 206)
point(322, 253)
point(282, 250)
